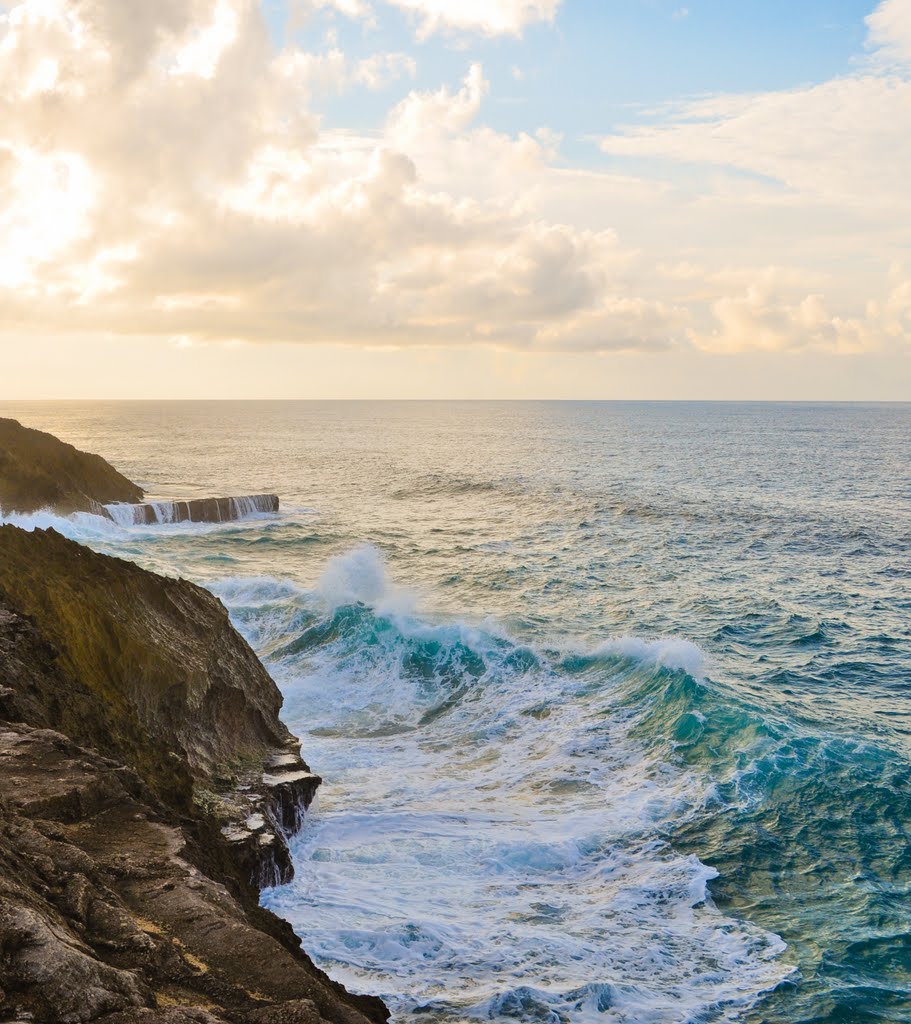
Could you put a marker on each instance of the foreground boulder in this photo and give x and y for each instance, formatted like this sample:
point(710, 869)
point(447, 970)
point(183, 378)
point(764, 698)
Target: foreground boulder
point(145, 781)
point(39, 471)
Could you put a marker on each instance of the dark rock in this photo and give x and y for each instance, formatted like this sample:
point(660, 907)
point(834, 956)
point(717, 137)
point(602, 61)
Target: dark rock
point(39, 471)
point(123, 896)
point(193, 510)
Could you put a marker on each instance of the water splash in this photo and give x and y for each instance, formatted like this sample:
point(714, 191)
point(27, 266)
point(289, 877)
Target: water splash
point(492, 835)
point(192, 510)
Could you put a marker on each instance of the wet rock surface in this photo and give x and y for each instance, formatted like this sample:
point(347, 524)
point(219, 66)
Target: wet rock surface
point(39, 471)
point(192, 510)
point(128, 881)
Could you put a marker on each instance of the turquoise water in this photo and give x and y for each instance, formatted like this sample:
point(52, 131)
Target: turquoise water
point(611, 700)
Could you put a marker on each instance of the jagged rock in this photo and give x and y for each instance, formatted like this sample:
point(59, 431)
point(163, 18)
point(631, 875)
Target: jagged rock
point(39, 471)
point(121, 898)
point(116, 905)
point(266, 812)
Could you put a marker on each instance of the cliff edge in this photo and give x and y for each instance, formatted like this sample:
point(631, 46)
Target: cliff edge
point(38, 471)
point(146, 787)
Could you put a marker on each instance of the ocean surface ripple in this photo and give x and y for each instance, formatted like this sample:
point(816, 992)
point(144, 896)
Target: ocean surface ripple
point(611, 701)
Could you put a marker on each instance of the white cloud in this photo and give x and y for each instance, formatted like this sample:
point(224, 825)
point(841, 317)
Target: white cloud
point(332, 71)
point(440, 112)
point(483, 17)
point(203, 50)
point(843, 139)
point(47, 200)
point(488, 17)
point(378, 71)
point(228, 213)
point(890, 28)
point(350, 8)
point(162, 173)
point(618, 324)
point(763, 318)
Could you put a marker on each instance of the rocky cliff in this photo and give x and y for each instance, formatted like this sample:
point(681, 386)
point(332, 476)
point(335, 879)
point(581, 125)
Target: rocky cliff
point(39, 471)
point(146, 786)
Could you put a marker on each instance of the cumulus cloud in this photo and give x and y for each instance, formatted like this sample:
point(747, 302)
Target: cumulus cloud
point(772, 315)
point(890, 29)
point(164, 175)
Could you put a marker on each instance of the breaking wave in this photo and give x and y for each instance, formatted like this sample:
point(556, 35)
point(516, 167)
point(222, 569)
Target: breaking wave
point(494, 835)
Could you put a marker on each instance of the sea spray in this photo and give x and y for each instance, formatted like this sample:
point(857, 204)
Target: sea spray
point(359, 577)
point(491, 837)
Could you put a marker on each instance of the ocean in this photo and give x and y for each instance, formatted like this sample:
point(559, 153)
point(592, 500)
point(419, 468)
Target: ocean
point(612, 701)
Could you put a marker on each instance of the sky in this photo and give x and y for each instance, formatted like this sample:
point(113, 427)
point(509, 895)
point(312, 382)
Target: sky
point(605, 199)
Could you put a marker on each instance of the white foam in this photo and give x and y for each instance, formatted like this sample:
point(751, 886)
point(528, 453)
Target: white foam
point(80, 526)
point(491, 860)
point(256, 591)
point(667, 652)
point(359, 576)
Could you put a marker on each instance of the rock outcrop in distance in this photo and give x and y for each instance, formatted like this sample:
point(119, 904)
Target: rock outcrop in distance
point(147, 787)
point(39, 471)
point(192, 510)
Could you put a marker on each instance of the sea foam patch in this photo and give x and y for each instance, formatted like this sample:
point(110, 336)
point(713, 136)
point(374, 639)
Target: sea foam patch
point(491, 837)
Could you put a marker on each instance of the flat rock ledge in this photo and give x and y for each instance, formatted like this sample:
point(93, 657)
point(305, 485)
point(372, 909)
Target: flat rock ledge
point(265, 812)
point(192, 510)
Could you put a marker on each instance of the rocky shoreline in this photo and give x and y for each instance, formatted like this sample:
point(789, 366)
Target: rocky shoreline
point(148, 789)
point(39, 471)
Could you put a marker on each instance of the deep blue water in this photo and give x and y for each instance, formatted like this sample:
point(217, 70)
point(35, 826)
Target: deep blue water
point(611, 700)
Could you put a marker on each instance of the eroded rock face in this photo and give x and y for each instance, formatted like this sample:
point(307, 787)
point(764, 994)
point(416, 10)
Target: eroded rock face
point(146, 785)
point(109, 906)
point(39, 471)
point(166, 681)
